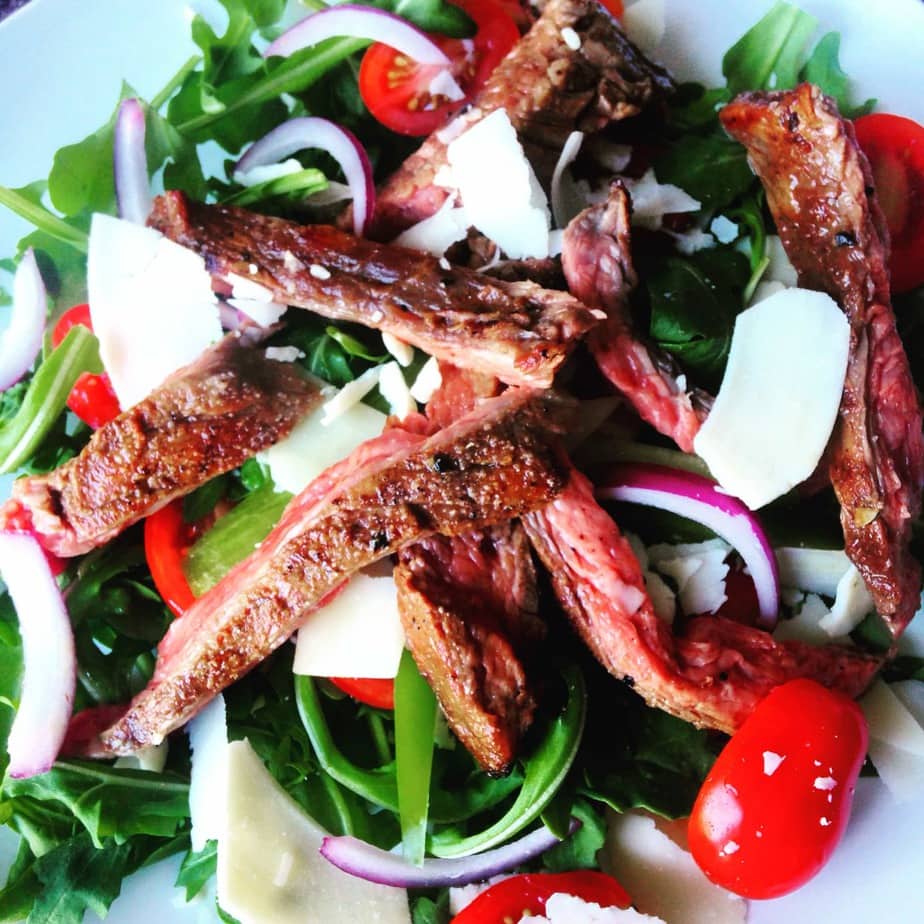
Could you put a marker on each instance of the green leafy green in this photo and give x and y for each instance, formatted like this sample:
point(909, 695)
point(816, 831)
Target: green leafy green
point(426, 910)
point(824, 69)
point(415, 719)
point(197, 868)
point(10, 672)
point(46, 397)
point(26, 203)
point(579, 851)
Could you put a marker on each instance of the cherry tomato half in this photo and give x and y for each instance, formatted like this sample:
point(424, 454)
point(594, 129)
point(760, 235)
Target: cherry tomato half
point(396, 90)
point(92, 398)
point(378, 693)
point(895, 148)
point(777, 801)
point(167, 538)
point(511, 899)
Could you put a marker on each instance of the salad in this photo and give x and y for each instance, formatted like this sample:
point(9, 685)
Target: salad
point(653, 774)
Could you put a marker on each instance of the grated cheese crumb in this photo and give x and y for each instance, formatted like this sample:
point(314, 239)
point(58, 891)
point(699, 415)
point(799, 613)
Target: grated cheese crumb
point(427, 382)
point(318, 271)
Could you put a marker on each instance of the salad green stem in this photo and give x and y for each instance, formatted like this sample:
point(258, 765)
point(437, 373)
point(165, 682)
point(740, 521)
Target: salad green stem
point(46, 396)
point(546, 769)
point(175, 82)
point(379, 738)
point(44, 220)
point(415, 719)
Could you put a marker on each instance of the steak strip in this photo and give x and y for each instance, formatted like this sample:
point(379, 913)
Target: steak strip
point(469, 607)
point(716, 672)
point(597, 262)
point(548, 90)
point(821, 193)
point(206, 419)
point(491, 466)
point(515, 330)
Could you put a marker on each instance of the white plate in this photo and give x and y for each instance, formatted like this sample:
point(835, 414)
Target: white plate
point(61, 64)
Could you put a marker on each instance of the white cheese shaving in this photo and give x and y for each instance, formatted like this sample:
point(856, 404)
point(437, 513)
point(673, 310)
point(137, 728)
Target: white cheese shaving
point(571, 38)
point(556, 241)
point(283, 354)
point(242, 287)
point(444, 84)
point(692, 241)
point(852, 603)
point(724, 229)
point(267, 837)
point(402, 352)
point(562, 908)
point(394, 390)
point(698, 569)
point(662, 878)
point(896, 742)
point(766, 431)
point(500, 192)
point(439, 232)
point(461, 897)
point(427, 381)
point(652, 200)
point(816, 570)
point(319, 272)
point(263, 174)
point(358, 634)
point(779, 269)
point(566, 200)
point(805, 626)
point(772, 762)
point(263, 313)
point(208, 739)
point(152, 758)
point(151, 305)
point(645, 24)
point(351, 393)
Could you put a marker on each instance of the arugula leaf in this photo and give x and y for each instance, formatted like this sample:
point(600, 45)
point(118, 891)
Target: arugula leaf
point(824, 69)
point(579, 851)
point(426, 910)
point(196, 869)
point(26, 202)
point(22, 886)
point(201, 502)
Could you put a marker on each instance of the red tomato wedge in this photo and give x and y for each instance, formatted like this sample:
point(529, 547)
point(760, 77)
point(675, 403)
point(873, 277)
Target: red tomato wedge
point(777, 801)
point(397, 92)
point(511, 899)
point(92, 398)
point(895, 148)
point(378, 693)
point(167, 538)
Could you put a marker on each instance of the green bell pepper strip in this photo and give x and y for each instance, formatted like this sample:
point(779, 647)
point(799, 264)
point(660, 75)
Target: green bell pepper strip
point(546, 769)
point(46, 396)
point(415, 722)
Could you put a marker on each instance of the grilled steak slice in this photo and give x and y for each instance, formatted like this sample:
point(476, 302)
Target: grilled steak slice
point(820, 191)
point(714, 674)
point(548, 90)
point(597, 261)
point(517, 331)
point(204, 420)
point(469, 606)
point(489, 467)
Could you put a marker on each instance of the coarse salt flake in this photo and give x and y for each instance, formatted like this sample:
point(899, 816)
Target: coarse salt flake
point(772, 762)
point(824, 783)
point(318, 271)
point(571, 38)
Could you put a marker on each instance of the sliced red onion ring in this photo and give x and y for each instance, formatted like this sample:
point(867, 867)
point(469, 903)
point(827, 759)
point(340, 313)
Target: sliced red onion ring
point(360, 859)
point(341, 144)
point(353, 20)
point(130, 163)
point(21, 341)
point(49, 662)
point(697, 498)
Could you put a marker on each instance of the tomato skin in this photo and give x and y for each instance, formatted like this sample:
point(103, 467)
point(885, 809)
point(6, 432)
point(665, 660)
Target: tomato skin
point(372, 692)
point(894, 146)
point(395, 89)
point(92, 398)
point(167, 538)
point(512, 898)
point(762, 827)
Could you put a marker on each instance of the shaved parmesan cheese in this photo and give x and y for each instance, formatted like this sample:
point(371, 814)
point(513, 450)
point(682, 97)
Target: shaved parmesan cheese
point(779, 397)
point(439, 232)
point(779, 269)
point(724, 229)
point(285, 354)
point(263, 174)
point(765, 289)
point(151, 304)
point(351, 394)
point(263, 313)
point(566, 200)
point(462, 896)
point(663, 599)
point(208, 739)
point(269, 867)
point(662, 878)
point(571, 38)
point(427, 381)
point(896, 742)
point(152, 758)
point(652, 200)
point(562, 908)
point(314, 445)
point(394, 390)
point(500, 192)
point(692, 241)
point(816, 570)
point(698, 569)
point(358, 634)
point(244, 288)
point(805, 626)
point(645, 24)
point(402, 352)
point(852, 603)
point(444, 84)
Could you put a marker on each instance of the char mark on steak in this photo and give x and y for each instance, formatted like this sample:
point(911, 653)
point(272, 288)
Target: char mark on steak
point(548, 90)
point(206, 419)
point(597, 262)
point(517, 331)
point(469, 607)
point(391, 492)
point(716, 672)
point(821, 192)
